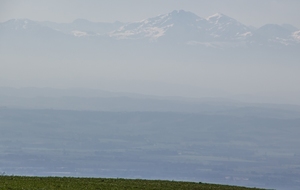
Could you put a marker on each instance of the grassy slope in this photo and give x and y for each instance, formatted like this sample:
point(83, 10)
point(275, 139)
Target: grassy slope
point(57, 183)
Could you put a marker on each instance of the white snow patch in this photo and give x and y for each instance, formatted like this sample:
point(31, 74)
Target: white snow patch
point(215, 16)
point(160, 20)
point(206, 44)
point(282, 41)
point(146, 21)
point(123, 35)
point(296, 35)
point(218, 45)
point(79, 33)
point(155, 32)
point(25, 24)
point(151, 32)
point(247, 34)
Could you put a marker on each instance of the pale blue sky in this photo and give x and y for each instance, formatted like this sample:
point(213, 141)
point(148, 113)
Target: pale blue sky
point(250, 12)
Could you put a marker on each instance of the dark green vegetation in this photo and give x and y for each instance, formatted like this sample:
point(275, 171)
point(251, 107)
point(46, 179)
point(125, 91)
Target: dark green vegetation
point(57, 183)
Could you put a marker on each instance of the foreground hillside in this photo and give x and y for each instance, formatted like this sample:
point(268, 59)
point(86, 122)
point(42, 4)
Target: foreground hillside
point(57, 183)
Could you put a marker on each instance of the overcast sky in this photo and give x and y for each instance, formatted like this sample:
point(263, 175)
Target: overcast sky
point(249, 12)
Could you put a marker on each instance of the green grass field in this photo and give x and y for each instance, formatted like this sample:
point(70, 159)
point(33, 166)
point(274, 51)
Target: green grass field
point(66, 183)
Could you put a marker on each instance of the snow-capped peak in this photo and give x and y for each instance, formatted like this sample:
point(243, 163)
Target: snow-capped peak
point(156, 27)
point(215, 16)
point(227, 28)
point(220, 18)
point(183, 16)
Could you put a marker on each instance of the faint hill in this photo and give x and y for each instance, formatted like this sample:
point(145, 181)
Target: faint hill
point(83, 27)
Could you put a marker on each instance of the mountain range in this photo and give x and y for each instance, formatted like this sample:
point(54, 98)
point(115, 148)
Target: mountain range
point(177, 27)
point(178, 53)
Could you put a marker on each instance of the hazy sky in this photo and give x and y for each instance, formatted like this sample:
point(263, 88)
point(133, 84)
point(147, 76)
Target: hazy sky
point(249, 12)
point(163, 72)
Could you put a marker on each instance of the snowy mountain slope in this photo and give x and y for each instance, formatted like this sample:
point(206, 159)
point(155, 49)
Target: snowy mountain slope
point(185, 25)
point(176, 24)
point(273, 34)
point(226, 28)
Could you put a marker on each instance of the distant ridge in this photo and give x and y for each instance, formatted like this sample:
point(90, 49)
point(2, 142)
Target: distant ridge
point(178, 26)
